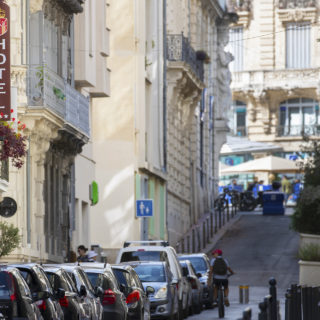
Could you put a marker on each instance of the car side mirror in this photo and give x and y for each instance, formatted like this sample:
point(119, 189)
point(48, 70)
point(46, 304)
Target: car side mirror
point(40, 295)
point(83, 291)
point(199, 275)
point(99, 291)
point(150, 290)
point(61, 293)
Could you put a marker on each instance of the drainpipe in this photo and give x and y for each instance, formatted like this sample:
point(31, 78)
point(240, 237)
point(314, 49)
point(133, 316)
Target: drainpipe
point(28, 196)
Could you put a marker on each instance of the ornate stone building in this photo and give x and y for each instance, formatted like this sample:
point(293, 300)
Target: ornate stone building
point(275, 74)
point(198, 97)
point(57, 118)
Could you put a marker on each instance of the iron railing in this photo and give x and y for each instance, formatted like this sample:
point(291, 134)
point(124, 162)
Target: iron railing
point(49, 90)
point(300, 130)
point(291, 4)
point(179, 49)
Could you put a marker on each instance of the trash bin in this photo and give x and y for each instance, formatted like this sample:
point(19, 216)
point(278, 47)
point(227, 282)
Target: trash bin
point(273, 203)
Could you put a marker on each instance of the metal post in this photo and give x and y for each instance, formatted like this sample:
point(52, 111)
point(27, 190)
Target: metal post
point(294, 302)
point(273, 293)
point(268, 300)
point(288, 305)
point(219, 216)
point(247, 313)
point(244, 294)
point(263, 315)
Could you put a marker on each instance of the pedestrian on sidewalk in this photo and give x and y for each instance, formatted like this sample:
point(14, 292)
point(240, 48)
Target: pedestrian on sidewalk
point(92, 256)
point(82, 251)
point(218, 275)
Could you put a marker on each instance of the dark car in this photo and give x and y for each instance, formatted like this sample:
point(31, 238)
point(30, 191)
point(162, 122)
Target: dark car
point(15, 296)
point(136, 298)
point(85, 290)
point(42, 291)
point(72, 304)
point(201, 264)
point(196, 286)
point(157, 275)
point(113, 300)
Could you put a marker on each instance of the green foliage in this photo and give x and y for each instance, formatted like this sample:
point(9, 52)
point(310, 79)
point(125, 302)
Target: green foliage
point(9, 238)
point(310, 252)
point(306, 218)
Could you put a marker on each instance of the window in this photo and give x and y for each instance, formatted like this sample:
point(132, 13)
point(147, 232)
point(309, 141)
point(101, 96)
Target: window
point(299, 116)
point(236, 48)
point(298, 45)
point(238, 122)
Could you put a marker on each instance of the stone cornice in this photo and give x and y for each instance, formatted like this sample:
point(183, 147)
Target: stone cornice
point(297, 15)
point(244, 19)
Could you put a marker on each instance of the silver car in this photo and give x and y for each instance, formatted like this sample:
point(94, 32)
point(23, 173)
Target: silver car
point(164, 299)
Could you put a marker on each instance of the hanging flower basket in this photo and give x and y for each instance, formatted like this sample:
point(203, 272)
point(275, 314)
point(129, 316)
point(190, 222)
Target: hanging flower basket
point(13, 143)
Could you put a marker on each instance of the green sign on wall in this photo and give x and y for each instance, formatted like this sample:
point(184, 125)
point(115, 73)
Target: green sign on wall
point(94, 193)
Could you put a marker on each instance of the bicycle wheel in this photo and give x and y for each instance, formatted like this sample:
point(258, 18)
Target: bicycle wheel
point(220, 303)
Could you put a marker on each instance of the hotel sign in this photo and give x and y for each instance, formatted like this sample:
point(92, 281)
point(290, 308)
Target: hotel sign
point(5, 99)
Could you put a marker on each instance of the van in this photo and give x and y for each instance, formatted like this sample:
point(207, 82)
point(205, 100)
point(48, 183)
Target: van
point(158, 250)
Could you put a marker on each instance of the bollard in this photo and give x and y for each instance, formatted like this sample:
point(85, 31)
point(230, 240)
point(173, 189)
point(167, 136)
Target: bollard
point(263, 315)
point(244, 294)
point(247, 313)
point(268, 300)
point(288, 305)
point(273, 293)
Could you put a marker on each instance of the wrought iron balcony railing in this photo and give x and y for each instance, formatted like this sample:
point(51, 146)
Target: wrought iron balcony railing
point(300, 130)
point(179, 49)
point(49, 90)
point(291, 4)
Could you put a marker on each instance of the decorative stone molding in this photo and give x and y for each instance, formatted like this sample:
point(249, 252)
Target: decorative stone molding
point(291, 4)
point(239, 5)
point(18, 79)
point(297, 15)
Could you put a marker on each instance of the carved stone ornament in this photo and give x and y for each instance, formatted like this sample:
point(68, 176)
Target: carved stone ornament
point(291, 4)
point(239, 5)
point(298, 14)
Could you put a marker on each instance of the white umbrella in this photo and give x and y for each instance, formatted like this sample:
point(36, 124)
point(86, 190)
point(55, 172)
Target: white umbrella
point(266, 164)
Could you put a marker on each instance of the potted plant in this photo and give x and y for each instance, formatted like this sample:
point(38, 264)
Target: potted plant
point(9, 238)
point(309, 265)
point(13, 143)
point(202, 56)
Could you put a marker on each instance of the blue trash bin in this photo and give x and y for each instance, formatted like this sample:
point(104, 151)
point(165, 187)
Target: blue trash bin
point(273, 203)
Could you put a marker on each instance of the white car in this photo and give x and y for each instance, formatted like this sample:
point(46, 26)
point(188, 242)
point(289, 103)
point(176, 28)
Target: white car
point(158, 251)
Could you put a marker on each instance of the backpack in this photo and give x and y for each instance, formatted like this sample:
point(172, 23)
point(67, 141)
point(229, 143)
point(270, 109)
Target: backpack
point(220, 267)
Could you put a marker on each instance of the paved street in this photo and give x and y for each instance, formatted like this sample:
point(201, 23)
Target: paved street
point(257, 248)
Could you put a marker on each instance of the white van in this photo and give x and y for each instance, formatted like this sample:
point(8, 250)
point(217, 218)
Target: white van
point(157, 251)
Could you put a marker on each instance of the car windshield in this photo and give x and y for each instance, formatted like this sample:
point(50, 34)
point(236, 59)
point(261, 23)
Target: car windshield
point(6, 285)
point(198, 263)
point(143, 255)
point(150, 273)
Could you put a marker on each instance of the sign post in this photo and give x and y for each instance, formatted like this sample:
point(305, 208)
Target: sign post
point(144, 210)
point(5, 85)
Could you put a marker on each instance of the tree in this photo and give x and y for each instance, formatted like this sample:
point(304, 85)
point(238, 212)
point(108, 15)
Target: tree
point(9, 238)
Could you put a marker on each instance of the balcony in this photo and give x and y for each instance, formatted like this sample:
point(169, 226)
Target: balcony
point(298, 131)
point(48, 90)
point(291, 4)
point(179, 49)
point(285, 79)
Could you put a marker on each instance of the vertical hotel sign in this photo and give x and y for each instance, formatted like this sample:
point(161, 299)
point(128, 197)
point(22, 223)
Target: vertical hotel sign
point(5, 84)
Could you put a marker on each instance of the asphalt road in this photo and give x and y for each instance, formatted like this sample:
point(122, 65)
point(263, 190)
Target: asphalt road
point(258, 247)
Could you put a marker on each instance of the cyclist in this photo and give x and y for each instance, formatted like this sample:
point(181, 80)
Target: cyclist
point(218, 275)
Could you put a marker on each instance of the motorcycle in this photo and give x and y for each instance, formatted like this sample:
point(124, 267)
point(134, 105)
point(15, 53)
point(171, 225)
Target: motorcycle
point(247, 201)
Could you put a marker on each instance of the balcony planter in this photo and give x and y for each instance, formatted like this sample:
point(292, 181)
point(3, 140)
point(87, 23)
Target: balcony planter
point(306, 239)
point(13, 143)
point(309, 273)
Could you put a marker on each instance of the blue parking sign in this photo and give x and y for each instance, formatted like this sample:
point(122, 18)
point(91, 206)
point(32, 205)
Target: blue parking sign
point(144, 208)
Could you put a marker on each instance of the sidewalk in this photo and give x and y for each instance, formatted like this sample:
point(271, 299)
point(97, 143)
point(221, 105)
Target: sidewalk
point(256, 295)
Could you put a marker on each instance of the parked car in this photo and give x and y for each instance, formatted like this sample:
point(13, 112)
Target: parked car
point(158, 251)
point(196, 286)
point(42, 292)
point(15, 296)
point(136, 297)
point(73, 306)
point(164, 299)
point(85, 290)
point(201, 264)
point(113, 300)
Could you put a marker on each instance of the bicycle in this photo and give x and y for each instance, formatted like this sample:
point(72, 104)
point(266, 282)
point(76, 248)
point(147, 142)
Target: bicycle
point(220, 299)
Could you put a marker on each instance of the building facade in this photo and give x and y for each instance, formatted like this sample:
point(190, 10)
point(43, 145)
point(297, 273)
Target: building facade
point(275, 74)
point(57, 118)
point(198, 98)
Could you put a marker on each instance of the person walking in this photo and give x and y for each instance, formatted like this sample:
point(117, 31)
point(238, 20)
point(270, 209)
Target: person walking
point(82, 251)
point(286, 188)
point(218, 275)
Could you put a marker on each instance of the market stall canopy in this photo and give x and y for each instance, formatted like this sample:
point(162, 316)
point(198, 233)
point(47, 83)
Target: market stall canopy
point(266, 164)
point(242, 145)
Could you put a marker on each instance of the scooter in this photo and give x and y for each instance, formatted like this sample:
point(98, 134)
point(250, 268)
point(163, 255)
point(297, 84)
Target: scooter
point(247, 201)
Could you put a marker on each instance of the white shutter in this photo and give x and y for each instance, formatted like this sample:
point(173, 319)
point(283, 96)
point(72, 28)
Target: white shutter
point(298, 45)
point(236, 48)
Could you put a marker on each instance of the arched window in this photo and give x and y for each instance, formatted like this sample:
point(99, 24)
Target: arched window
point(238, 119)
point(298, 116)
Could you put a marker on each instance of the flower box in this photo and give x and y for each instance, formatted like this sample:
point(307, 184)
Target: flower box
point(309, 273)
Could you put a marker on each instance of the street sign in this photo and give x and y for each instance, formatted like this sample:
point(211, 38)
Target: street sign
point(144, 208)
